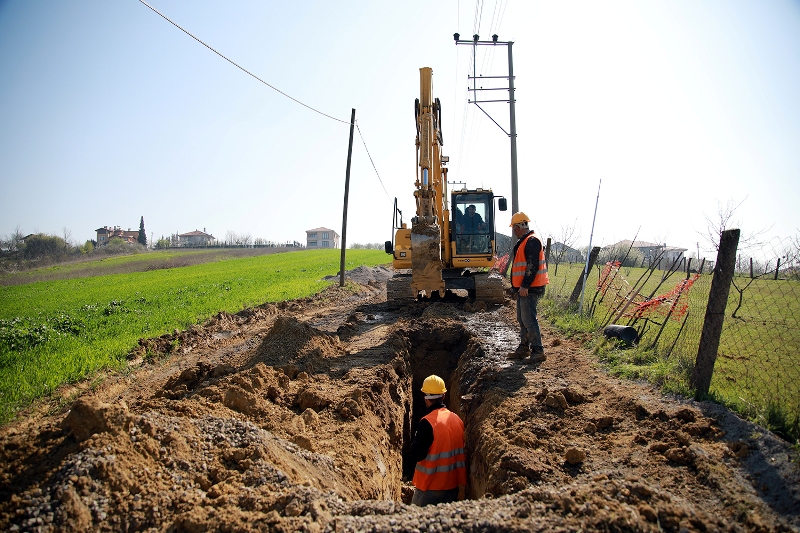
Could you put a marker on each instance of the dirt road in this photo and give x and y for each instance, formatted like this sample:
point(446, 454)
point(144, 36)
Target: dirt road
point(296, 417)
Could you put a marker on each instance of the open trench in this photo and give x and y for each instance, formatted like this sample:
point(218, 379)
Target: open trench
point(289, 423)
point(450, 350)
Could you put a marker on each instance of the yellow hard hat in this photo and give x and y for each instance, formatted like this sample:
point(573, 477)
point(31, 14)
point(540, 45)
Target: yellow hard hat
point(433, 384)
point(519, 218)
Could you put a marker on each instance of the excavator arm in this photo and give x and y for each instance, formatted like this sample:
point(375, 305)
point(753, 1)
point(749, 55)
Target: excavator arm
point(431, 220)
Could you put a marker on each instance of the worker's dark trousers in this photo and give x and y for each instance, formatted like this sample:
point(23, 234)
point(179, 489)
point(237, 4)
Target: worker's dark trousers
point(528, 323)
point(432, 497)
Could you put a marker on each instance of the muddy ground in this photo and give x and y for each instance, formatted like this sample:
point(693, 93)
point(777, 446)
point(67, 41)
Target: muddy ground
point(296, 417)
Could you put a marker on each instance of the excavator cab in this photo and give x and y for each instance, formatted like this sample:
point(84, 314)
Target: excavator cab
point(473, 223)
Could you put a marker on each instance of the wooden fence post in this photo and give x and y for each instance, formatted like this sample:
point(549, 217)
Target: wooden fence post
point(715, 312)
point(547, 252)
point(576, 292)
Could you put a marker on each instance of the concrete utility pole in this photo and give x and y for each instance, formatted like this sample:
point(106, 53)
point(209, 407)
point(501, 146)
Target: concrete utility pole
point(475, 42)
point(346, 195)
point(513, 135)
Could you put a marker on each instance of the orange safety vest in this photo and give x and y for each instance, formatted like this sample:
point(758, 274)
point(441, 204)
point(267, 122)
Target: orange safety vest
point(445, 466)
point(521, 264)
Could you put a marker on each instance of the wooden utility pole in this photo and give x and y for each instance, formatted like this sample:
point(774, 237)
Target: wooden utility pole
point(715, 312)
point(346, 195)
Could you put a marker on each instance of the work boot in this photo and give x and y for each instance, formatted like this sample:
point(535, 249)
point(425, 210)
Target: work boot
point(536, 357)
point(522, 351)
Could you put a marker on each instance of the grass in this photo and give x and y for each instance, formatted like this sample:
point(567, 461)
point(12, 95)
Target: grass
point(57, 332)
point(100, 265)
point(757, 371)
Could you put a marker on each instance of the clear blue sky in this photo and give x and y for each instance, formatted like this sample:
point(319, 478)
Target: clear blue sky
point(109, 113)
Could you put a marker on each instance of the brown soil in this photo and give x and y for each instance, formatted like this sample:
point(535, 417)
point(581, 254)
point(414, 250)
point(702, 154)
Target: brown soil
point(296, 417)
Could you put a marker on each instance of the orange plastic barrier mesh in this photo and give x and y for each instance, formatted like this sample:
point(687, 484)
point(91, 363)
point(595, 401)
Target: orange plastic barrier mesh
point(500, 262)
point(674, 303)
point(613, 285)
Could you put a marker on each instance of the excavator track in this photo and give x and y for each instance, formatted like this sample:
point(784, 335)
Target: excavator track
point(398, 289)
point(489, 287)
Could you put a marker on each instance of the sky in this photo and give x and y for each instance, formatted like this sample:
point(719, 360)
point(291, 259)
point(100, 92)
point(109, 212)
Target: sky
point(673, 109)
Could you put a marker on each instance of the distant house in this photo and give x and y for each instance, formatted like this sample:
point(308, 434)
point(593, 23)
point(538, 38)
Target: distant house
point(105, 234)
point(566, 253)
point(322, 238)
point(195, 238)
point(650, 251)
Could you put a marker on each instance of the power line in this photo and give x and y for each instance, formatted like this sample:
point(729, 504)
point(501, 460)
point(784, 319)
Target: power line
point(373, 163)
point(240, 67)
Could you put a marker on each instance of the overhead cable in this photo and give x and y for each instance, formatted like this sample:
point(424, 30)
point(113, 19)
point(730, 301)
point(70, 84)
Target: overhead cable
point(240, 67)
point(373, 163)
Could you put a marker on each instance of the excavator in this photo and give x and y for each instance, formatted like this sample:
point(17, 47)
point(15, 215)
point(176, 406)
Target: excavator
point(451, 242)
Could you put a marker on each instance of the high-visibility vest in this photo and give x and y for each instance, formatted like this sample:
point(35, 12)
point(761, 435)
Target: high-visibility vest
point(520, 264)
point(445, 466)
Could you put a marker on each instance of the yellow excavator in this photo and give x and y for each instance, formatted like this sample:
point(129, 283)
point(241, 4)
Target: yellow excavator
point(451, 243)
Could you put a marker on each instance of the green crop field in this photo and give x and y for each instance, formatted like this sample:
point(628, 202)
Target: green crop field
point(56, 332)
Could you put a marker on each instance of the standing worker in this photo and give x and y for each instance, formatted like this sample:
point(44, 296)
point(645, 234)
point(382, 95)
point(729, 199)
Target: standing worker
point(528, 280)
point(438, 449)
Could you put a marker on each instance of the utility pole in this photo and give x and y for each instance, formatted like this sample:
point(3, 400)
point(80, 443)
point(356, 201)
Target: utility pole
point(346, 195)
point(513, 134)
point(475, 42)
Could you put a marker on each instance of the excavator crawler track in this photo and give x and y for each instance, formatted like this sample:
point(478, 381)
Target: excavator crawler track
point(489, 287)
point(398, 289)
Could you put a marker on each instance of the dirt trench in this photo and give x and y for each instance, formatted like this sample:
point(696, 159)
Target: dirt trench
point(299, 417)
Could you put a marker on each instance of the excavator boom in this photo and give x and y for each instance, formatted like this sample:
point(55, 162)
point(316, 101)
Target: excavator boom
point(426, 232)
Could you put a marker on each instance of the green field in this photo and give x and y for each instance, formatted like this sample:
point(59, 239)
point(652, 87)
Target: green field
point(56, 332)
point(757, 371)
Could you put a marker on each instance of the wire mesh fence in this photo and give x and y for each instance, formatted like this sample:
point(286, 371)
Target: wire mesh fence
point(758, 363)
point(757, 371)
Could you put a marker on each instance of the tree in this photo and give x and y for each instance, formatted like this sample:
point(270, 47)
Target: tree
point(566, 239)
point(14, 242)
point(67, 233)
point(142, 238)
point(724, 221)
point(40, 246)
point(162, 243)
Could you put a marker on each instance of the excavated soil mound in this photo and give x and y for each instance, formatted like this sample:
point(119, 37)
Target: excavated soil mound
point(299, 417)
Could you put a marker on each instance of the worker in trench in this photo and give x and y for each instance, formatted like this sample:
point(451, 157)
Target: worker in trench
point(528, 281)
point(440, 475)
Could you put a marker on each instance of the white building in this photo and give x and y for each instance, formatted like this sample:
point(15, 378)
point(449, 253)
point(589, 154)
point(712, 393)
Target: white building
point(322, 238)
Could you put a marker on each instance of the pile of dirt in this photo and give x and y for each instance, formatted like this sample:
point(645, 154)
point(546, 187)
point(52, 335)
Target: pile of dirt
point(374, 276)
point(298, 417)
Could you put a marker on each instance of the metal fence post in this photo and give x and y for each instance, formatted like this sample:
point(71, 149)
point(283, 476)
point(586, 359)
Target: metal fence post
point(715, 312)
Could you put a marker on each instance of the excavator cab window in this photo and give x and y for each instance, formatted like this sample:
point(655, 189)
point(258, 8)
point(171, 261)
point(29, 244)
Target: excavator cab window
point(473, 223)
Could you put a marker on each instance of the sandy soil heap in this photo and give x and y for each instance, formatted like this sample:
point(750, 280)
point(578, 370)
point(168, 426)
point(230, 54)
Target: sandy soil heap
point(298, 417)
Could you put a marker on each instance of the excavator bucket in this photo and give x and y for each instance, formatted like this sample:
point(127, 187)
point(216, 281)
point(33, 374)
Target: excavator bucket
point(426, 259)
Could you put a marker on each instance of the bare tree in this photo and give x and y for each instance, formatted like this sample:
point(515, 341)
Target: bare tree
point(67, 233)
point(725, 220)
point(13, 242)
point(567, 237)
